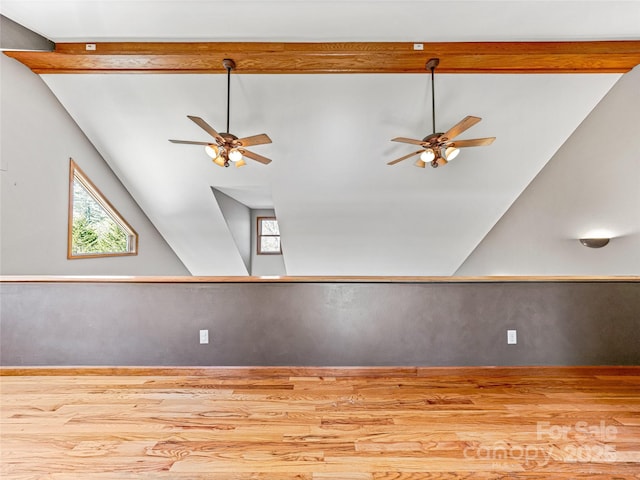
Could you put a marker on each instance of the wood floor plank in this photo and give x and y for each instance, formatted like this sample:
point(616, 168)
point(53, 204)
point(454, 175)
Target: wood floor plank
point(352, 424)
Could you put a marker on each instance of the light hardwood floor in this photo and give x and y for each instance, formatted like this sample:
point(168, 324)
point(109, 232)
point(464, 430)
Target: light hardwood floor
point(321, 424)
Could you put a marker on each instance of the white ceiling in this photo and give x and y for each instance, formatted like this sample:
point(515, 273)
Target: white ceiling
point(342, 210)
point(327, 20)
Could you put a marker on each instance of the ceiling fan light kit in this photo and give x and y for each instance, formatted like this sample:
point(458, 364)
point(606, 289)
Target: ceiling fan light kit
point(440, 148)
point(228, 148)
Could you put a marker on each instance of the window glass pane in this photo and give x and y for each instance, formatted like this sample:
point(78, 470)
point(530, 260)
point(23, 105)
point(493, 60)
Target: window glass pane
point(270, 244)
point(94, 230)
point(270, 227)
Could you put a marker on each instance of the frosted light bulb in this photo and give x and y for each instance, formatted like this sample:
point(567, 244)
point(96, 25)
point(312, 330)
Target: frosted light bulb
point(427, 155)
point(235, 155)
point(212, 150)
point(450, 153)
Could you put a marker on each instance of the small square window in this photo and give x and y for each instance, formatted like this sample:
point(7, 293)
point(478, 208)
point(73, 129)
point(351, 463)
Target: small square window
point(268, 236)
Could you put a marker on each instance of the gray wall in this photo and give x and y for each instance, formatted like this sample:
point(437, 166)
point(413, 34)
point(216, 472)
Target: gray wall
point(38, 138)
point(14, 36)
point(583, 188)
point(320, 323)
point(238, 218)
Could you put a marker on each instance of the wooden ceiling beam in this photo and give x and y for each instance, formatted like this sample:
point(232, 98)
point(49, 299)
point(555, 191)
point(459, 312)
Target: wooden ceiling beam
point(317, 58)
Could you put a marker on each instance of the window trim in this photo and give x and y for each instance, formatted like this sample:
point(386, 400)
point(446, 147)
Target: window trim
point(259, 236)
point(75, 172)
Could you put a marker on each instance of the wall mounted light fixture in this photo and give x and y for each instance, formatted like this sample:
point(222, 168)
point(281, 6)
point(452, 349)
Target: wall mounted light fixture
point(594, 242)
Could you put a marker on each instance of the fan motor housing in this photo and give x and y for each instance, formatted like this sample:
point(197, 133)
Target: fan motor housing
point(228, 137)
point(432, 137)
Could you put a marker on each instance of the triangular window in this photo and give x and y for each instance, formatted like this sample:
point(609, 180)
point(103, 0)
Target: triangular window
point(96, 229)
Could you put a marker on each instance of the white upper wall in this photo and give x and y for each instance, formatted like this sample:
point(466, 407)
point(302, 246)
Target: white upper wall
point(341, 209)
point(38, 138)
point(327, 20)
point(590, 187)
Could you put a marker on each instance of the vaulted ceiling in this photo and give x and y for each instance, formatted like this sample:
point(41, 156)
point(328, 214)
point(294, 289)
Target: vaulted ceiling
point(342, 210)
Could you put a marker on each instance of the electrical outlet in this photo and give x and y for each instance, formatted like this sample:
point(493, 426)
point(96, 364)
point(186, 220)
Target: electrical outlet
point(512, 337)
point(418, 46)
point(204, 336)
point(90, 46)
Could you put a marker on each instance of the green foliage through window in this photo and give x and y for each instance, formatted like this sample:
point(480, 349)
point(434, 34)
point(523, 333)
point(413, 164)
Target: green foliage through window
point(96, 228)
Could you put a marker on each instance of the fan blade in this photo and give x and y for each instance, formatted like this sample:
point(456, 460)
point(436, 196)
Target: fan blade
point(393, 162)
point(256, 157)
point(189, 142)
point(458, 128)
point(476, 142)
point(408, 140)
point(420, 163)
point(254, 140)
point(206, 127)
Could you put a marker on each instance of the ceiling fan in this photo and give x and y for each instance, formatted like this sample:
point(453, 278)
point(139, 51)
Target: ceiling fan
point(440, 148)
point(228, 148)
